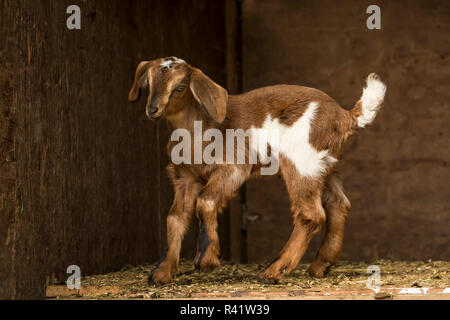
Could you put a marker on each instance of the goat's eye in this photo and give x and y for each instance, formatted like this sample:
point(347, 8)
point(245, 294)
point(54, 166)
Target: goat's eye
point(180, 89)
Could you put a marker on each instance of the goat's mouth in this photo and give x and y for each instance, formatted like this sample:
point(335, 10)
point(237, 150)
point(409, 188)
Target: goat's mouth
point(155, 117)
point(156, 114)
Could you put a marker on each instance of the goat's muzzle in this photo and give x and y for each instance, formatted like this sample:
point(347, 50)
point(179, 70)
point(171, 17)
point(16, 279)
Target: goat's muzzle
point(152, 113)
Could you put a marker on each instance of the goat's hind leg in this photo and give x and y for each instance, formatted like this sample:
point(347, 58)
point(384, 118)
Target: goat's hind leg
point(308, 214)
point(337, 208)
point(178, 222)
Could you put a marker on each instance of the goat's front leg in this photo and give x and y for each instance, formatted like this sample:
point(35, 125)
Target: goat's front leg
point(178, 222)
point(221, 186)
point(208, 247)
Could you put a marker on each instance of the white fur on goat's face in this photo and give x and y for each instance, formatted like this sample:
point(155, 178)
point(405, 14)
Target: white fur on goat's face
point(169, 62)
point(167, 79)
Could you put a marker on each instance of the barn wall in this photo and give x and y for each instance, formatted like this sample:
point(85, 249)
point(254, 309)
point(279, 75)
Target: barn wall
point(396, 171)
point(9, 205)
point(88, 186)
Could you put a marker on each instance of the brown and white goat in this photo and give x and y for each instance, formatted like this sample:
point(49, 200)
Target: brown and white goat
point(312, 131)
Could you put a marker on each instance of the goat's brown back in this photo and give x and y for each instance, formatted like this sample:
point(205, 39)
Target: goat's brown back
point(331, 125)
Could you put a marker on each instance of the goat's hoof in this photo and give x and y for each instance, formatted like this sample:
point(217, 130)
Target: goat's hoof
point(319, 269)
point(266, 279)
point(159, 277)
point(207, 264)
point(270, 276)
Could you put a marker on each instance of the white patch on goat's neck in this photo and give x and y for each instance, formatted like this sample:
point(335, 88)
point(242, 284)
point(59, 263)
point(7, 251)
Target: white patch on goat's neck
point(293, 143)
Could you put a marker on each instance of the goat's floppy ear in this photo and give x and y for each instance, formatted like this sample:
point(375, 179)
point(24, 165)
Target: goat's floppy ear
point(209, 94)
point(140, 80)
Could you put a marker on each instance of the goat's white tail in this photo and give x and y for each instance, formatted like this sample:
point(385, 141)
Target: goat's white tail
point(367, 107)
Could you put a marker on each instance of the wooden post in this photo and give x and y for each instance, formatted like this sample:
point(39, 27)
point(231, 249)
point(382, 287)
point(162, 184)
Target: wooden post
point(238, 208)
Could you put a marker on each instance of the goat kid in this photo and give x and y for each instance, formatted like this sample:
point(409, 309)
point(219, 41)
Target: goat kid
point(312, 131)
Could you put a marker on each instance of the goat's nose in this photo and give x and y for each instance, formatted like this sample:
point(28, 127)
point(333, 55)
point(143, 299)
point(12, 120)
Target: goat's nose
point(151, 111)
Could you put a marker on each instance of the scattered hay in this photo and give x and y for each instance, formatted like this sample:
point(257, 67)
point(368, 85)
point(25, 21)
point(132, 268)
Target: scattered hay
point(131, 282)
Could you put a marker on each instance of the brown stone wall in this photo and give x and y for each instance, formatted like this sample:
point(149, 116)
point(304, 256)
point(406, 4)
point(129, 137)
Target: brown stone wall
point(396, 172)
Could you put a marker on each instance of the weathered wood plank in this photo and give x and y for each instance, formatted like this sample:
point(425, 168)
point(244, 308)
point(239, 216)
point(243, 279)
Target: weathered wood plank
point(88, 186)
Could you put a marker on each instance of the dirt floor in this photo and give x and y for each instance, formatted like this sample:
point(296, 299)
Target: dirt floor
point(347, 280)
